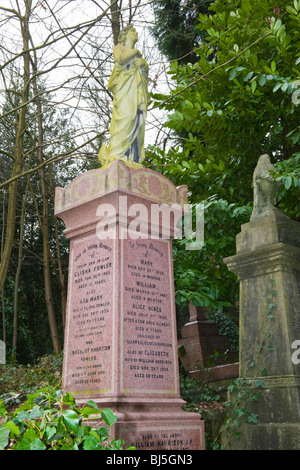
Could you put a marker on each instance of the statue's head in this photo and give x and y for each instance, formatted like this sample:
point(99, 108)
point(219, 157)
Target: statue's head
point(124, 33)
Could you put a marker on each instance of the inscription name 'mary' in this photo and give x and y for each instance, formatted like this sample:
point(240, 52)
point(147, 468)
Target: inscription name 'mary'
point(148, 344)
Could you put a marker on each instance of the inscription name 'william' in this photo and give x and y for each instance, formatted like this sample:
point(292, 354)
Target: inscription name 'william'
point(147, 320)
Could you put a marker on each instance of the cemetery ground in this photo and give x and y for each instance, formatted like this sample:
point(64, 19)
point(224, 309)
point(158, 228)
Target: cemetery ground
point(18, 382)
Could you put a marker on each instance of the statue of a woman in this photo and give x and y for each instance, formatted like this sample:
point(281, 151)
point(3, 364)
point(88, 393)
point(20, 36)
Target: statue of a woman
point(128, 83)
point(264, 189)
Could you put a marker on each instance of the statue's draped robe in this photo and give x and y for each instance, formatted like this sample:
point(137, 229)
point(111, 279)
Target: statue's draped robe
point(128, 83)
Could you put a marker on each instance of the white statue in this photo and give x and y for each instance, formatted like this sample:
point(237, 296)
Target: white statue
point(129, 85)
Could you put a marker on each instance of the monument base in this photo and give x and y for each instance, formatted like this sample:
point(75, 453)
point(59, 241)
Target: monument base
point(277, 409)
point(153, 424)
point(268, 436)
point(162, 432)
point(157, 425)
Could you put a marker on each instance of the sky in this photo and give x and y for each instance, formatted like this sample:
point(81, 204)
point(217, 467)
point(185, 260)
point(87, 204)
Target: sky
point(90, 62)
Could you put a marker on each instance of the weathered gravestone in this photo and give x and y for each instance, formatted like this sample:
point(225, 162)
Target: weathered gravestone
point(2, 353)
point(267, 264)
point(120, 340)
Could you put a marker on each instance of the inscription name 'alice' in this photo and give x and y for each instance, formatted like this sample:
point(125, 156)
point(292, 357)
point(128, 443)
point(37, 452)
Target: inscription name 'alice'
point(147, 351)
point(148, 329)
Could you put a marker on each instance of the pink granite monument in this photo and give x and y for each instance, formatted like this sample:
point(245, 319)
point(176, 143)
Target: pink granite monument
point(120, 340)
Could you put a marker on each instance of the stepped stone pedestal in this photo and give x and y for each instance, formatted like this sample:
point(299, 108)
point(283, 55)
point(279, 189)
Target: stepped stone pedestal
point(200, 338)
point(120, 340)
point(267, 264)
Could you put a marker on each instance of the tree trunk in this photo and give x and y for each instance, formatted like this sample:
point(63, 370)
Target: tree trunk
point(18, 151)
point(2, 293)
point(115, 20)
point(59, 267)
point(45, 224)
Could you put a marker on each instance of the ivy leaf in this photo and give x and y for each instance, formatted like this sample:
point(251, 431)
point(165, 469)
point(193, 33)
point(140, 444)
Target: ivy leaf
point(108, 416)
point(71, 420)
point(90, 410)
point(260, 383)
point(252, 419)
point(24, 444)
point(68, 399)
point(50, 431)
point(37, 444)
point(30, 434)
point(13, 428)
point(90, 442)
point(4, 437)
point(36, 412)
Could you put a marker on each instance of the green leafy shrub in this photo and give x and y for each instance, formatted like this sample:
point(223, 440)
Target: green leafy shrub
point(51, 420)
point(23, 379)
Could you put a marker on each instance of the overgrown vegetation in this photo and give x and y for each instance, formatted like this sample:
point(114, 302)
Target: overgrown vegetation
point(234, 99)
point(49, 420)
point(36, 415)
point(32, 403)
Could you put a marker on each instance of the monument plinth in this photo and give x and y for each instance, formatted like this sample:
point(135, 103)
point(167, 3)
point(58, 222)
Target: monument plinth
point(267, 264)
point(120, 340)
point(201, 339)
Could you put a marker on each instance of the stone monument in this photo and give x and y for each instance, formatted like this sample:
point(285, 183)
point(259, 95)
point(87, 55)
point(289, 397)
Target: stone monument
point(2, 353)
point(267, 264)
point(120, 340)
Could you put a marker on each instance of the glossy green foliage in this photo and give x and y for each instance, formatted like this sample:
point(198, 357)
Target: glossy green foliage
point(238, 100)
point(51, 420)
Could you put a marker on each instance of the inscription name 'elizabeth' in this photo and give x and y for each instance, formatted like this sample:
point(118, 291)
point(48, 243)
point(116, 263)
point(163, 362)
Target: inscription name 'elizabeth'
point(148, 333)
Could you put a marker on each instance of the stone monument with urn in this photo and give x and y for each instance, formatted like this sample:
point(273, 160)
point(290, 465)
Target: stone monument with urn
point(120, 338)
